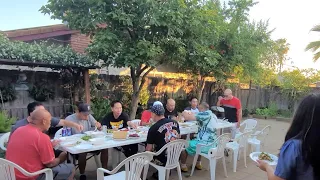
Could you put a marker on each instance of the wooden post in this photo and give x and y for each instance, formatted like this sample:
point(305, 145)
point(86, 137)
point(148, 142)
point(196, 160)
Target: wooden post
point(87, 85)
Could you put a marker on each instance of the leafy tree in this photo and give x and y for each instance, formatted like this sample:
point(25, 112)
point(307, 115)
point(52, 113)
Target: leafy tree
point(139, 34)
point(315, 45)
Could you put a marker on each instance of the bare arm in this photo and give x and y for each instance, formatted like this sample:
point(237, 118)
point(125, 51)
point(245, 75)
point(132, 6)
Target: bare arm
point(145, 123)
point(189, 116)
point(149, 147)
point(239, 116)
point(62, 157)
point(219, 101)
point(270, 174)
point(70, 124)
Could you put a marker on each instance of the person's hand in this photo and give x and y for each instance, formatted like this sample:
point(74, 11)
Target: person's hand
point(262, 165)
point(132, 125)
point(98, 125)
point(220, 98)
point(79, 127)
point(55, 142)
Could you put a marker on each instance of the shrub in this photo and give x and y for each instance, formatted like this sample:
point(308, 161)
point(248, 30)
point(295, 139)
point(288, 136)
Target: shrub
point(5, 122)
point(270, 111)
point(100, 107)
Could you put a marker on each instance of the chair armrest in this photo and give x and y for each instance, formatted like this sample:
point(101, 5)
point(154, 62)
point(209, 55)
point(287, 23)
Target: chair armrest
point(101, 171)
point(47, 171)
point(199, 146)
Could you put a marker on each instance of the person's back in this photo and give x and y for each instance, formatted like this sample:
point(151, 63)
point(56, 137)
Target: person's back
point(161, 133)
point(30, 149)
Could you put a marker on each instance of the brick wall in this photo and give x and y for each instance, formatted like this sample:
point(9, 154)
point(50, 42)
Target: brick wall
point(79, 42)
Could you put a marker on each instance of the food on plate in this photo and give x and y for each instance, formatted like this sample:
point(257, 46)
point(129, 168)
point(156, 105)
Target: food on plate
point(134, 135)
point(110, 131)
point(124, 129)
point(265, 156)
point(86, 138)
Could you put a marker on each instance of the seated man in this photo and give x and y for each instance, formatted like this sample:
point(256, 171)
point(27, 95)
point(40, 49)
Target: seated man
point(161, 133)
point(34, 152)
point(55, 122)
point(170, 110)
point(146, 114)
point(87, 121)
point(206, 134)
point(118, 120)
point(193, 105)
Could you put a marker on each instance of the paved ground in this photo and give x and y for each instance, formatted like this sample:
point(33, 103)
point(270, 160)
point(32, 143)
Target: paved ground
point(273, 144)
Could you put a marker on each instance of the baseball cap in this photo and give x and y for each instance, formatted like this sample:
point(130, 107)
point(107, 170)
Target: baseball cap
point(157, 109)
point(84, 108)
point(157, 103)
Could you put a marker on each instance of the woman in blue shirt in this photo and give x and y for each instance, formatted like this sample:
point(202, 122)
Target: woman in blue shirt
point(299, 157)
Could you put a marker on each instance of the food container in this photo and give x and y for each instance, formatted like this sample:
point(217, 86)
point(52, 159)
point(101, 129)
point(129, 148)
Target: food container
point(120, 134)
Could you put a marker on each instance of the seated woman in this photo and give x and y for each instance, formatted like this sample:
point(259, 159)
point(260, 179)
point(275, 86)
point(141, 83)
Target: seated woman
point(206, 134)
point(146, 114)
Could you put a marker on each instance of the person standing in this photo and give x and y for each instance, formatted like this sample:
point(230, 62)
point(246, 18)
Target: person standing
point(84, 118)
point(35, 151)
point(232, 109)
point(193, 105)
point(170, 110)
point(117, 119)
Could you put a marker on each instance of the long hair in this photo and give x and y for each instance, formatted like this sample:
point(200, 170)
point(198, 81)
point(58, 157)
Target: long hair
point(306, 127)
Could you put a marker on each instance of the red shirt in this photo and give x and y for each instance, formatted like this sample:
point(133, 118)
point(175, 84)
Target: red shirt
point(231, 108)
point(145, 116)
point(31, 149)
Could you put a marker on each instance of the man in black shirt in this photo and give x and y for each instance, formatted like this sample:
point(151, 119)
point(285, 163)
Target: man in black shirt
point(162, 132)
point(118, 120)
point(170, 111)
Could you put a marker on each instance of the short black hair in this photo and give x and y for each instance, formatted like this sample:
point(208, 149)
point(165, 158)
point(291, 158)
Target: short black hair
point(32, 106)
point(114, 102)
point(193, 97)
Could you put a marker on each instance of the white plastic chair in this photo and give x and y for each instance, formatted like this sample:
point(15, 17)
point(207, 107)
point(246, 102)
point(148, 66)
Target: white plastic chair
point(3, 140)
point(173, 150)
point(213, 154)
point(258, 139)
point(7, 171)
point(250, 125)
point(133, 168)
point(58, 134)
point(236, 146)
point(137, 122)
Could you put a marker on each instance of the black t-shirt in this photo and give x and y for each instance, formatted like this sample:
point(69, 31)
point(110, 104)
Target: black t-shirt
point(161, 133)
point(168, 114)
point(111, 122)
point(230, 113)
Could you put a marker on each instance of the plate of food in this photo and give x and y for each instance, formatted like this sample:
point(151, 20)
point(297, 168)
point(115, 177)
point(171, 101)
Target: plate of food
point(134, 136)
point(86, 137)
point(271, 159)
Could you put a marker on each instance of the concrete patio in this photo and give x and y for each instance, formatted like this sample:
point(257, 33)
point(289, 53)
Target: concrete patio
point(273, 144)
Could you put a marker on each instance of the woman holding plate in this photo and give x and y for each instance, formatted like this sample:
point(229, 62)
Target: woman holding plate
point(299, 157)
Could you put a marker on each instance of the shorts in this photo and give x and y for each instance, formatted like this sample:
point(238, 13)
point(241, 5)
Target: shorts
point(60, 172)
point(191, 149)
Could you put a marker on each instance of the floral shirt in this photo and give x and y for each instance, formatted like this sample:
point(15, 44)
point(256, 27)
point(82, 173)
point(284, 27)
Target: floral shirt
point(206, 132)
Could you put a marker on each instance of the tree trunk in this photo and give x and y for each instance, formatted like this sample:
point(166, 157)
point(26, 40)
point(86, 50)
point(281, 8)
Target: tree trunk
point(135, 96)
point(249, 94)
point(201, 83)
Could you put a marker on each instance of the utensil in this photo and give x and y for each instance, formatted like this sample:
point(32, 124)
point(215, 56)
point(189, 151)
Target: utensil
point(255, 156)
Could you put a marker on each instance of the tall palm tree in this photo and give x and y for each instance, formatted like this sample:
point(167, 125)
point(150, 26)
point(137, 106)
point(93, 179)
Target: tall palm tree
point(315, 45)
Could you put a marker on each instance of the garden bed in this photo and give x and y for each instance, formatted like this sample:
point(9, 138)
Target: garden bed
point(284, 119)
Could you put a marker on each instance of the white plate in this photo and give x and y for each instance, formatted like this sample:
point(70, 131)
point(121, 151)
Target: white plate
point(255, 156)
point(84, 146)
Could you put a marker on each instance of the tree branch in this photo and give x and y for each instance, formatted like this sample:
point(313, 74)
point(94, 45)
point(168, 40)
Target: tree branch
point(141, 70)
point(143, 80)
point(133, 75)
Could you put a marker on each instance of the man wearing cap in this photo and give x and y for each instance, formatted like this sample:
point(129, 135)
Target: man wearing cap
point(86, 120)
point(146, 114)
point(162, 132)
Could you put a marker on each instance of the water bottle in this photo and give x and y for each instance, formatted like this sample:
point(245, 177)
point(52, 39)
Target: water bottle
point(64, 132)
point(68, 131)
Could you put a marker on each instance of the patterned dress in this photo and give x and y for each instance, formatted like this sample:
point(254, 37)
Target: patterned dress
point(206, 133)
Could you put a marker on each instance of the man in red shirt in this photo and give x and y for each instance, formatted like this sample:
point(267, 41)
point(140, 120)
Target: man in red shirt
point(146, 114)
point(232, 109)
point(31, 149)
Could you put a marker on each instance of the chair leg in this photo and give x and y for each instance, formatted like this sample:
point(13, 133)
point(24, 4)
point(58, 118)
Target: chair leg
point(145, 172)
point(179, 172)
point(96, 159)
point(162, 174)
point(194, 163)
point(224, 166)
point(213, 163)
point(167, 173)
point(245, 156)
point(239, 153)
point(235, 159)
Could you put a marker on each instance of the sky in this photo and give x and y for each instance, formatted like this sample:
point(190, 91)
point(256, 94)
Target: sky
point(292, 19)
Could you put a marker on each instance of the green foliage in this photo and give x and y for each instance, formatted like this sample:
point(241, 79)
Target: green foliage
point(270, 111)
point(315, 45)
point(42, 53)
point(100, 107)
point(41, 92)
point(285, 113)
point(8, 93)
point(5, 122)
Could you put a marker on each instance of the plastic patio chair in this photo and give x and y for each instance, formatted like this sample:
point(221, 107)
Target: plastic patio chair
point(236, 146)
point(258, 139)
point(173, 150)
point(137, 122)
point(7, 171)
point(250, 124)
point(96, 158)
point(213, 154)
point(133, 168)
point(3, 140)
